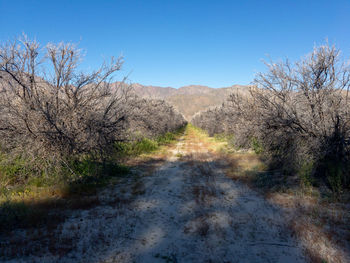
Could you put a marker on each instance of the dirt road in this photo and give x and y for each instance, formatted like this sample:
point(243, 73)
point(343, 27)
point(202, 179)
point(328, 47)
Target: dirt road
point(186, 210)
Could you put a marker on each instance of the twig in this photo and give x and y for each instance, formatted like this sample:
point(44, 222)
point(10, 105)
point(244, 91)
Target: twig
point(271, 244)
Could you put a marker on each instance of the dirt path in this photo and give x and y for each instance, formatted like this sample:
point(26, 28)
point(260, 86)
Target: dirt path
point(187, 210)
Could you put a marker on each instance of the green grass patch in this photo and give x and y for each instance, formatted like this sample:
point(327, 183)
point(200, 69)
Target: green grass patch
point(145, 145)
point(256, 145)
point(305, 174)
point(179, 155)
point(222, 137)
point(167, 138)
point(87, 176)
point(31, 188)
point(190, 128)
point(31, 201)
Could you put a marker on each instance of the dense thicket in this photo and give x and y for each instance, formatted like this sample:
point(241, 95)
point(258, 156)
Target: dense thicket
point(298, 112)
point(48, 108)
point(151, 118)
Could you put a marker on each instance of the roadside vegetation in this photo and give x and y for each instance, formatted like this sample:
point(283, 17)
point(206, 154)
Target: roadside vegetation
point(66, 133)
point(31, 200)
point(296, 117)
point(291, 129)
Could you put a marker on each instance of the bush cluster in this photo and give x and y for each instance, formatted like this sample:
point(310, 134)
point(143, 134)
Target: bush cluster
point(296, 114)
point(151, 118)
point(54, 117)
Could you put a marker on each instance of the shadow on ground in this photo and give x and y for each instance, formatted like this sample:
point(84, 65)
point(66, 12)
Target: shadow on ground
point(182, 210)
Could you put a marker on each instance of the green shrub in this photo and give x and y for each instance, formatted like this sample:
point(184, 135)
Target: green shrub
point(19, 174)
point(144, 145)
point(13, 170)
point(305, 173)
point(256, 146)
point(38, 181)
point(220, 137)
point(166, 138)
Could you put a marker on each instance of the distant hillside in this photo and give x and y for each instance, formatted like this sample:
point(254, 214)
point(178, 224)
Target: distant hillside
point(190, 103)
point(153, 92)
point(188, 99)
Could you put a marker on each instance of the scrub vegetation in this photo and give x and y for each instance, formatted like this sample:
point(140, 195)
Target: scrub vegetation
point(64, 133)
point(296, 116)
point(291, 127)
point(268, 169)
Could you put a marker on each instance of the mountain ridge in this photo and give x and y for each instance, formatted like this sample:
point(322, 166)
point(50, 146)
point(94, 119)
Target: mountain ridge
point(188, 99)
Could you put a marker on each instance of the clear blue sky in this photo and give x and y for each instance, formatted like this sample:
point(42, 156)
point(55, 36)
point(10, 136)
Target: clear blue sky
point(181, 42)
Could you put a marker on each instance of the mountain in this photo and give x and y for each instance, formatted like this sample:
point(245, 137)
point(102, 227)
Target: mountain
point(153, 92)
point(193, 89)
point(189, 102)
point(188, 99)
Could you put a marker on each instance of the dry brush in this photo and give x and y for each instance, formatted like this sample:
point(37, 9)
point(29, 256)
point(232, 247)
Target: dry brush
point(52, 111)
point(299, 113)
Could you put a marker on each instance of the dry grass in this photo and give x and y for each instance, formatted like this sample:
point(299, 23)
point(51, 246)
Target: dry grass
point(321, 225)
point(243, 166)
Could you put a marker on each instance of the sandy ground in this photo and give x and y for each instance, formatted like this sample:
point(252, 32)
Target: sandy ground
point(186, 210)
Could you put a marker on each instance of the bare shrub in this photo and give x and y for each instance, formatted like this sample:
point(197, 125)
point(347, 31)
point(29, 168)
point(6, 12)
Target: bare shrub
point(303, 112)
point(235, 116)
point(208, 119)
point(299, 113)
point(151, 118)
point(48, 107)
